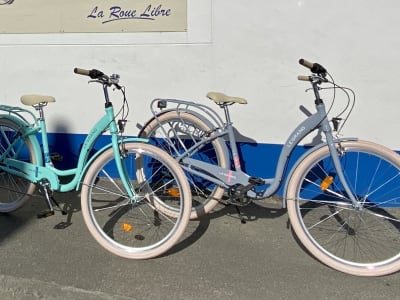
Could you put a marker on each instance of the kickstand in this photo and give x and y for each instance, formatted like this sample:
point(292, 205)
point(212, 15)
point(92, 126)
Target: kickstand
point(242, 219)
point(63, 212)
point(49, 199)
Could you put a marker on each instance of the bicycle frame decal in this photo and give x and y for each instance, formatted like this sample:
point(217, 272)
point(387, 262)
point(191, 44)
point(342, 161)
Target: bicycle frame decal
point(236, 162)
point(294, 137)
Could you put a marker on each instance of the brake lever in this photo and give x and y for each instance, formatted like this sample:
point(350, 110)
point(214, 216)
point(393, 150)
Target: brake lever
point(95, 80)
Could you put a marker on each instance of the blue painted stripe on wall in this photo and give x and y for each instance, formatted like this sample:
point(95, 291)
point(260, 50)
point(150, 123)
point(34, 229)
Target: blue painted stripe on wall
point(257, 159)
point(69, 146)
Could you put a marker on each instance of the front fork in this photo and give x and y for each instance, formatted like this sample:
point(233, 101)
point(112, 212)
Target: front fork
point(120, 154)
point(335, 149)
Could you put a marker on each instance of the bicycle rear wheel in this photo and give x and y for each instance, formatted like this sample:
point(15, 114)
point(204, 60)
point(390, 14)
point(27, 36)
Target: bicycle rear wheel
point(176, 132)
point(14, 190)
point(136, 228)
point(365, 241)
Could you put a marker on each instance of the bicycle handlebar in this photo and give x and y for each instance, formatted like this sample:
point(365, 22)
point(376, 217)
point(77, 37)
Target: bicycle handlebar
point(94, 74)
point(314, 67)
point(306, 63)
point(304, 78)
point(99, 76)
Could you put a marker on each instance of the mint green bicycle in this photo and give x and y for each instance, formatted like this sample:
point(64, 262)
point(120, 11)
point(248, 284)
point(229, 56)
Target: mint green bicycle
point(126, 186)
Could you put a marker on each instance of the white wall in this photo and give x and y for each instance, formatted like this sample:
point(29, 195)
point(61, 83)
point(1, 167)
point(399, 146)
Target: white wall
point(243, 48)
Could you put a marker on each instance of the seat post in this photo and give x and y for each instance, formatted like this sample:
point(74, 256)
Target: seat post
point(231, 136)
point(43, 130)
point(39, 108)
point(226, 111)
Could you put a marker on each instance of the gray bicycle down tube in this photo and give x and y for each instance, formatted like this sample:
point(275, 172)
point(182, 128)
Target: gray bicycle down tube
point(319, 119)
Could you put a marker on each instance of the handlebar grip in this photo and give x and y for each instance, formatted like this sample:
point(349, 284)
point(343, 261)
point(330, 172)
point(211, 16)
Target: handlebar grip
point(81, 71)
point(306, 63)
point(314, 67)
point(304, 78)
point(94, 74)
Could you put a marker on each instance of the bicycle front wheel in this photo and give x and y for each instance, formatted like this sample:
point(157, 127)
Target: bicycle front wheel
point(362, 241)
point(14, 190)
point(176, 132)
point(138, 227)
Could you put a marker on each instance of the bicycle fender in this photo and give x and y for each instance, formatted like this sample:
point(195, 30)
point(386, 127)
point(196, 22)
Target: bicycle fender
point(101, 151)
point(151, 120)
point(194, 113)
point(191, 112)
point(32, 138)
point(308, 152)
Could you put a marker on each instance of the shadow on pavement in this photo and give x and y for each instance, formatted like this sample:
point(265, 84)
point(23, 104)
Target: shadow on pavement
point(250, 213)
point(12, 222)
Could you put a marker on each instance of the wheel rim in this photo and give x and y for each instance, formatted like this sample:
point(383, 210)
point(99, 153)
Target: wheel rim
point(366, 238)
point(14, 189)
point(183, 131)
point(133, 230)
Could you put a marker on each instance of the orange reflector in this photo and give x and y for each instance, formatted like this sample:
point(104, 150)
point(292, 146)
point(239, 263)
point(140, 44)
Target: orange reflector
point(127, 227)
point(174, 192)
point(326, 183)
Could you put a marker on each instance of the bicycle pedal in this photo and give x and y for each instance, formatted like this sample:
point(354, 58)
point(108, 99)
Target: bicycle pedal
point(256, 181)
point(56, 157)
point(45, 214)
point(62, 225)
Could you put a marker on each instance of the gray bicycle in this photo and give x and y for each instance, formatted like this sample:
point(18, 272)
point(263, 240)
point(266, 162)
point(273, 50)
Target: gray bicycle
point(6, 2)
point(342, 195)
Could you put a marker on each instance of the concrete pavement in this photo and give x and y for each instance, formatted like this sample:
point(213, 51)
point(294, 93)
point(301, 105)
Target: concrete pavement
point(219, 258)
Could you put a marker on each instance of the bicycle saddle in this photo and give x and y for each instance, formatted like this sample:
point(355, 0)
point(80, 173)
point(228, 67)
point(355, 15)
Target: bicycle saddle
point(36, 99)
point(222, 98)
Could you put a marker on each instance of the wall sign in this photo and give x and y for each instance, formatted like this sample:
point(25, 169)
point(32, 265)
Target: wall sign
point(49, 16)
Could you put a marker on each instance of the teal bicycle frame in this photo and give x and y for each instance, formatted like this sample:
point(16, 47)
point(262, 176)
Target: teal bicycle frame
point(44, 170)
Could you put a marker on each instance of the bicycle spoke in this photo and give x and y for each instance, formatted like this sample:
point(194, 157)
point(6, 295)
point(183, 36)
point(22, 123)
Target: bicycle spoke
point(357, 240)
point(381, 186)
point(141, 226)
point(182, 135)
